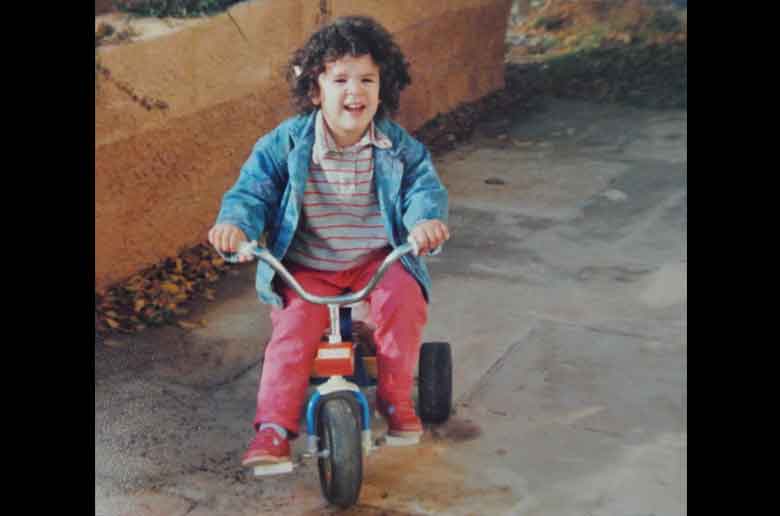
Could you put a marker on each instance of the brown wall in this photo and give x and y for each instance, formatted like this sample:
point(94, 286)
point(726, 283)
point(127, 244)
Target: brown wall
point(160, 173)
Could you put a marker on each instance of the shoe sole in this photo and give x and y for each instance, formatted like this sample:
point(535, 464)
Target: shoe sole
point(402, 440)
point(262, 470)
point(265, 460)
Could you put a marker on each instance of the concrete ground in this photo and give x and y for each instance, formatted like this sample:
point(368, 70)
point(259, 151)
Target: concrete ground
point(563, 293)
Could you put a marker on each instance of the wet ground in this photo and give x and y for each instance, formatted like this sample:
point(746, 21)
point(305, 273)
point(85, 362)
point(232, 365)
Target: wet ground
point(563, 293)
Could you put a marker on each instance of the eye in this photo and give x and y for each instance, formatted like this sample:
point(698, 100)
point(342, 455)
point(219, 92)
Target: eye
point(368, 80)
point(341, 81)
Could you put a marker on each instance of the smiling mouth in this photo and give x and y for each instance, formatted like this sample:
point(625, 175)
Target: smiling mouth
point(355, 108)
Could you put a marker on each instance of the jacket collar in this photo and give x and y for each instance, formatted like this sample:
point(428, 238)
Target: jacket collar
point(325, 143)
point(304, 127)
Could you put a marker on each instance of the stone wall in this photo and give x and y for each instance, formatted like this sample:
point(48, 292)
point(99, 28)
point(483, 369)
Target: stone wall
point(176, 116)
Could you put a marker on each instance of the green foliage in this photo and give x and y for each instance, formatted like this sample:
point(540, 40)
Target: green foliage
point(174, 8)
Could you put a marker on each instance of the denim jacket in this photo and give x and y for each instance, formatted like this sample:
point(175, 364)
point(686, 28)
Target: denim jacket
point(268, 194)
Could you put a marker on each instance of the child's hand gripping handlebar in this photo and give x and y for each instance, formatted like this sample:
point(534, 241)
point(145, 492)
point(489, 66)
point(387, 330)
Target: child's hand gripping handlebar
point(252, 249)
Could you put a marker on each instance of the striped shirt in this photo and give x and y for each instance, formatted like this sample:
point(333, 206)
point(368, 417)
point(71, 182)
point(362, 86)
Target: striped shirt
point(341, 225)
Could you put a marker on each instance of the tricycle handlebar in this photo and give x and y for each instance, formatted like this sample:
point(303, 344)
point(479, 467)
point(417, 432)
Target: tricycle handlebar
point(252, 249)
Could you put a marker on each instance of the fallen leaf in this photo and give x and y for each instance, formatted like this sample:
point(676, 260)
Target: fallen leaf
point(187, 325)
point(170, 287)
point(112, 323)
point(139, 304)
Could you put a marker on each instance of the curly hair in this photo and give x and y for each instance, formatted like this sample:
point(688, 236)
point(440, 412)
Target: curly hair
point(354, 36)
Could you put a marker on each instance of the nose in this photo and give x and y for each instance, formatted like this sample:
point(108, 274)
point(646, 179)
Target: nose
point(354, 87)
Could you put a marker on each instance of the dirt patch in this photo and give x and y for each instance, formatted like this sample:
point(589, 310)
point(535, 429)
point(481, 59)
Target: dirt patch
point(457, 430)
point(422, 477)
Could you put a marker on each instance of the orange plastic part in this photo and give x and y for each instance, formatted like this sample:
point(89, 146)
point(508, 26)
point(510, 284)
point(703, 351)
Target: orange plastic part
point(334, 359)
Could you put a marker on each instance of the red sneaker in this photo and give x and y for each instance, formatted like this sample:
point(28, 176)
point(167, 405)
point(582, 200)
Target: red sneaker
point(268, 449)
point(401, 418)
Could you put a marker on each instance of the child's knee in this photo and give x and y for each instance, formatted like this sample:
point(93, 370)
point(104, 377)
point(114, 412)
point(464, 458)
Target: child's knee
point(400, 296)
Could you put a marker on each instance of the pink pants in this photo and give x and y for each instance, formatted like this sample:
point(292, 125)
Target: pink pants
point(398, 309)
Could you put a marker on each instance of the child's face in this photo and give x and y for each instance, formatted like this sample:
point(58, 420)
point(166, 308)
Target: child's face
point(349, 96)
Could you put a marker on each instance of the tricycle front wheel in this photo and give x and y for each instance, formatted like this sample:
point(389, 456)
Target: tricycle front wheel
point(340, 459)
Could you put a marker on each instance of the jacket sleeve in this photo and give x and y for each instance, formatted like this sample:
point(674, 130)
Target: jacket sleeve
point(252, 201)
point(424, 197)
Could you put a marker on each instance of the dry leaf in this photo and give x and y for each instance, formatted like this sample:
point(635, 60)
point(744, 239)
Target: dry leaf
point(112, 323)
point(170, 287)
point(139, 304)
point(187, 325)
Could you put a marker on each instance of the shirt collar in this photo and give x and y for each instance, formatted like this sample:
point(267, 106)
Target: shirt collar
point(324, 141)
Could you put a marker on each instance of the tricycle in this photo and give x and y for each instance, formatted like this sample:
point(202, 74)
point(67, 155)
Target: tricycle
point(338, 415)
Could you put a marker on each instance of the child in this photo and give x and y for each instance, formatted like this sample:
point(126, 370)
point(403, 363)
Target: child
point(336, 188)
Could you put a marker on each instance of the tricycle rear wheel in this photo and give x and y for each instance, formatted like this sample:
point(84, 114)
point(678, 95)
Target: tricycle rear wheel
point(341, 466)
point(435, 385)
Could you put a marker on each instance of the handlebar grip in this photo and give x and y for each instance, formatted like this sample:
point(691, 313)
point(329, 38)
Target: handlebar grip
point(415, 246)
point(244, 249)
